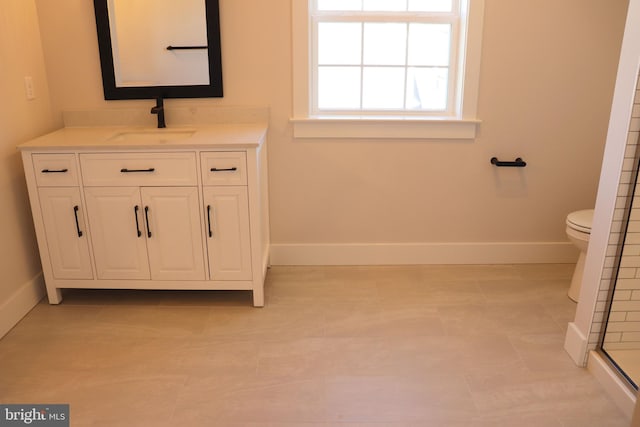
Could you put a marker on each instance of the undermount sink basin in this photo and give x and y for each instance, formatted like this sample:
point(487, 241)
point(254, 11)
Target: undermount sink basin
point(159, 136)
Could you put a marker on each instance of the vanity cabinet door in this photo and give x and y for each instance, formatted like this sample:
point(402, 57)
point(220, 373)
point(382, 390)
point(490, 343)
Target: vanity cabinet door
point(66, 234)
point(174, 233)
point(116, 218)
point(228, 240)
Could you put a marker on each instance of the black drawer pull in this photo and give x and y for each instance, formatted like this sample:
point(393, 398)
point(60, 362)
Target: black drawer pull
point(146, 217)
point(224, 170)
point(135, 213)
point(75, 213)
point(55, 170)
point(125, 170)
point(518, 163)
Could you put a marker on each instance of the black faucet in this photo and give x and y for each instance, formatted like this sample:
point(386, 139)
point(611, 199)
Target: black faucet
point(159, 110)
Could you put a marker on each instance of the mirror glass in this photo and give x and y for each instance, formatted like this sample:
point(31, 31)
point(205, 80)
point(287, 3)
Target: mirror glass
point(151, 48)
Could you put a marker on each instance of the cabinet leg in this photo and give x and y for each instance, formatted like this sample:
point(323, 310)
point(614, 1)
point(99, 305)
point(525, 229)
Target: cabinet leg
point(54, 295)
point(258, 297)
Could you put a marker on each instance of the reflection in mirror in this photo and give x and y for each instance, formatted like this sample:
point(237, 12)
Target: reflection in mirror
point(142, 31)
point(152, 48)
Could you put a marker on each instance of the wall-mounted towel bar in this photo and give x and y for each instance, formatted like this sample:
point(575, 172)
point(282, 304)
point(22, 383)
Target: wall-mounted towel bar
point(186, 47)
point(518, 163)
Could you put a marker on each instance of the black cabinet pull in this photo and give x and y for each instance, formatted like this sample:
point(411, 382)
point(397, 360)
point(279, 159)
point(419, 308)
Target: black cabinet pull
point(135, 213)
point(518, 163)
point(125, 170)
point(224, 170)
point(146, 217)
point(75, 213)
point(55, 170)
point(209, 220)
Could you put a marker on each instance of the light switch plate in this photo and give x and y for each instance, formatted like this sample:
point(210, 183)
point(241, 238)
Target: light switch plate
point(28, 88)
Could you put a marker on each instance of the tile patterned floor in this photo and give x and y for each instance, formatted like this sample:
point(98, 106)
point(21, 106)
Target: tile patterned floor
point(401, 346)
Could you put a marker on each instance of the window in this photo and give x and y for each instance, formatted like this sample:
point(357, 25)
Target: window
point(386, 68)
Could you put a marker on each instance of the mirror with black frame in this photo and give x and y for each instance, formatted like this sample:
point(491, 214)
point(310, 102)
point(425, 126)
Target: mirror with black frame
point(159, 48)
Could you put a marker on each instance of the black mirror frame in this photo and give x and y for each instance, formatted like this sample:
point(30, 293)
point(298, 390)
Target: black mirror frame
point(112, 92)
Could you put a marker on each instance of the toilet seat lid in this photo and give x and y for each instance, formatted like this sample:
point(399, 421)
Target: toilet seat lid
point(581, 220)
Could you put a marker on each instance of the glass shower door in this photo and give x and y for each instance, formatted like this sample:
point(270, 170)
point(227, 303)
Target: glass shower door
point(620, 341)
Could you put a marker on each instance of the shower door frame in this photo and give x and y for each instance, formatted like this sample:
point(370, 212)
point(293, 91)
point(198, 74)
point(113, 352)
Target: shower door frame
point(630, 198)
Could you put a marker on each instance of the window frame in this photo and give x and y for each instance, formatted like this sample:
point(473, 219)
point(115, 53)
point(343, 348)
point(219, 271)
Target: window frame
point(459, 123)
point(451, 19)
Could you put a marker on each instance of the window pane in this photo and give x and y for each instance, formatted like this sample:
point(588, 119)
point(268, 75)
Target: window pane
point(339, 4)
point(430, 5)
point(383, 88)
point(339, 43)
point(385, 5)
point(427, 89)
point(429, 44)
point(385, 43)
point(338, 88)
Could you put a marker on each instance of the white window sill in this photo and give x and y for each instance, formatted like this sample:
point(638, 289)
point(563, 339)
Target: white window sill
point(405, 127)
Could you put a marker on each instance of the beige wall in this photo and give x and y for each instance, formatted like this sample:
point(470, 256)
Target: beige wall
point(20, 120)
point(548, 71)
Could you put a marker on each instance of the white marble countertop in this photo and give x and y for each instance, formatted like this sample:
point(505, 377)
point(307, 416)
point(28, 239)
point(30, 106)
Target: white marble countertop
point(144, 137)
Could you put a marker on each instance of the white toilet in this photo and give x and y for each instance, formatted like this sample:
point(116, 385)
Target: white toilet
point(579, 230)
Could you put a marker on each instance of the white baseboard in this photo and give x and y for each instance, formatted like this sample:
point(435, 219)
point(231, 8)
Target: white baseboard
point(575, 343)
point(20, 303)
point(423, 253)
point(624, 398)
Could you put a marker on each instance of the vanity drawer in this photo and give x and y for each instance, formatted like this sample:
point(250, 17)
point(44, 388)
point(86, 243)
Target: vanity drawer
point(55, 170)
point(138, 169)
point(224, 168)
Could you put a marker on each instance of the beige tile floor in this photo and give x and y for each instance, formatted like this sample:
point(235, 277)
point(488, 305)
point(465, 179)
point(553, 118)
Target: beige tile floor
point(408, 346)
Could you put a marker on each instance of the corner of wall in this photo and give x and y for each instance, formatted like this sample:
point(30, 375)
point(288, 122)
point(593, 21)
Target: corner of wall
point(20, 303)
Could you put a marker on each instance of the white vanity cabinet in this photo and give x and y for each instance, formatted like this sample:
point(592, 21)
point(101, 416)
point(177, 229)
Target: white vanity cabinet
point(144, 213)
point(186, 215)
point(227, 210)
point(67, 243)
point(146, 233)
point(119, 243)
point(62, 212)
